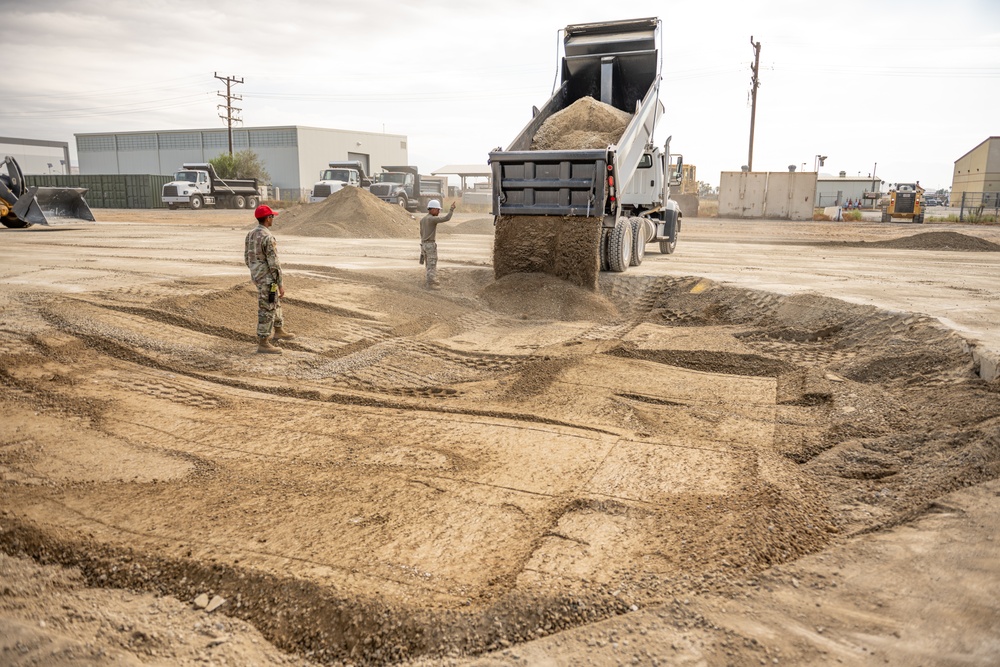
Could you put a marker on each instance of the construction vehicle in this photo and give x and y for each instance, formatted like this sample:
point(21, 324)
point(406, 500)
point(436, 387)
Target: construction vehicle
point(197, 185)
point(403, 185)
point(687, 195)
point(906, 201)
point(574, 213)
point(337, 176)
point(23, 206)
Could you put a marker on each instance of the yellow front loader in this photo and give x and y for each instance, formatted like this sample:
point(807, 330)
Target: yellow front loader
point(23, 206)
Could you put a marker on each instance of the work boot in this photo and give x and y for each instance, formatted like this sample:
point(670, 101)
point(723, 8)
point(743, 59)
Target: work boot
point(264, 346)
point(281, 334)
point(434, 285)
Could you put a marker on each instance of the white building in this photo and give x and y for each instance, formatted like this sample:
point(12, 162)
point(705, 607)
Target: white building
point(292, 155)
point(35, 156)
point(837, 190)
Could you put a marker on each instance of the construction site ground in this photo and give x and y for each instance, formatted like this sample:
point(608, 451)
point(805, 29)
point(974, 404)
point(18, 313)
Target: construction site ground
point(779, 445)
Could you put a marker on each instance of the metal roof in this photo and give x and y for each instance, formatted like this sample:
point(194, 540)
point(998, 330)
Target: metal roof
point(464, 170)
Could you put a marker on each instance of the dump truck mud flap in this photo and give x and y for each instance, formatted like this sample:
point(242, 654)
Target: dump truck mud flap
point(566, 247)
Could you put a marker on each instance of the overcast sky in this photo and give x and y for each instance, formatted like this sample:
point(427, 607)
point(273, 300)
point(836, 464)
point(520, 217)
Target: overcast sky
point(909, 86)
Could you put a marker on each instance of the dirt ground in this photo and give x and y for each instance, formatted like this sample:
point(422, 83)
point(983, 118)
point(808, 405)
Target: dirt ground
point(689, 465)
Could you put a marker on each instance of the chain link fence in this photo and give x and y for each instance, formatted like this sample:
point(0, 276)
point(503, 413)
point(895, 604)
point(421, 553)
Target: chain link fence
point(979, 207)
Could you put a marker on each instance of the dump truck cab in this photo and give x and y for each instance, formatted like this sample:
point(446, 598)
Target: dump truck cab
point(338, 175)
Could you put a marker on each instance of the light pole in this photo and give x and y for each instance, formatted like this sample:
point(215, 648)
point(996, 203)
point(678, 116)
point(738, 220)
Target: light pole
point(820, 160)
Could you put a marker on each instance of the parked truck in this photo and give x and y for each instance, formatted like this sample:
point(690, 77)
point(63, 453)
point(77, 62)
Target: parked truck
point(573, 213)
point(197, 185)
point(403, 185)
point(339, 174)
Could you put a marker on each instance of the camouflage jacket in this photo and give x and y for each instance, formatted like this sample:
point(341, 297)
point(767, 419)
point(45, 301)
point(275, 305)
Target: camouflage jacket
point(261, 256)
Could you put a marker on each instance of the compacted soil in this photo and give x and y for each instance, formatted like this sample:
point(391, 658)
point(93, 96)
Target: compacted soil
point(668, 469)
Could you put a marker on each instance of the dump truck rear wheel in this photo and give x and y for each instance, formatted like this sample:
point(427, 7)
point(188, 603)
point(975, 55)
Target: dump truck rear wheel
point(238, 201)
point(638, 242)
point(620, 246)
point(196, 202)
point(252, 202)
point(667, 247)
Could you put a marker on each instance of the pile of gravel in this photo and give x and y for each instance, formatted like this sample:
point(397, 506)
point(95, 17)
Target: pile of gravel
point(585, 124)
point(349, 213)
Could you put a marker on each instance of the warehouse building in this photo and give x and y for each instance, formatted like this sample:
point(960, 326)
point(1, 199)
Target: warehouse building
point(35, 156)
point(977, 175)
point(292, 155)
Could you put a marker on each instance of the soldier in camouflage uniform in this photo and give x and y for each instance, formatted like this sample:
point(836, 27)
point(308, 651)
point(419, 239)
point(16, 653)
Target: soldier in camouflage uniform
point(265, 271)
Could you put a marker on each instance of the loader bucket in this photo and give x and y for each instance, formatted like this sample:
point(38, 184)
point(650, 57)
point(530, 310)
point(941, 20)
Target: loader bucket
point(27, 210)
point(63, 203)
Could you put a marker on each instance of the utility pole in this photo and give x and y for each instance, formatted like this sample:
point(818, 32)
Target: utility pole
point(754, 85)
point(228, 106)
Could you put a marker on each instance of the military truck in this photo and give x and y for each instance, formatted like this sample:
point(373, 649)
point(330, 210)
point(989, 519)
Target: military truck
point(197, 185)
point(574, 213)
point(403, 185)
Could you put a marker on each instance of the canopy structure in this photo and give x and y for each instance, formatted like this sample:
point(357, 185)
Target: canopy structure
point(464, 171)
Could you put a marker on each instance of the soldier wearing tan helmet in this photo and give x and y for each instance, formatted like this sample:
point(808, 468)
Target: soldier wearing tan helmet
point(261, 256)
point(428, 244)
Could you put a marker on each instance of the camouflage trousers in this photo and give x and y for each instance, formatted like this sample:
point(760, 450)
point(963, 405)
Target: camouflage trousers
point(429, 252)
point(268, 314)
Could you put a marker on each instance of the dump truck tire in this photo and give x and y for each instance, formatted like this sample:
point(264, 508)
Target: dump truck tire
point(252, 202)
point(197, 202)
point(668, 246)
point(238, 201)
point(620, 246)
point(638, 242)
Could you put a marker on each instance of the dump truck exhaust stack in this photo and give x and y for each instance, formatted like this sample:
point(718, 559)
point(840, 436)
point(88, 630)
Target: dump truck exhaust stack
point(22, 206)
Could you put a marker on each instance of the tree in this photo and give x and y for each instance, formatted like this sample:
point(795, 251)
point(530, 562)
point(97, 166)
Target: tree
point(706, 189)
point(243, 164)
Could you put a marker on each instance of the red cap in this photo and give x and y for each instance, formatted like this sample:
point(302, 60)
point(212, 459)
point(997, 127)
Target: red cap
point(263, 211)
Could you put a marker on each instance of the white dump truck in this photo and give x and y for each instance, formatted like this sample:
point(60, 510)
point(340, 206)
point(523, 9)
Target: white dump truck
point(197, 185)
point(337, 176)
point(573, 213)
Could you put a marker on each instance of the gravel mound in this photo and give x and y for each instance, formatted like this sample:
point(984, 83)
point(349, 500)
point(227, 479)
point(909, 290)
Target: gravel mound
point(585, 124)
point(474, 226)
point(934, 241)
point(539, 296)
point(348, 213)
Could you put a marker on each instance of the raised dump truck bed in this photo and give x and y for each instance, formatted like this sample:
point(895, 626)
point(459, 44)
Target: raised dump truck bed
point(574, 209)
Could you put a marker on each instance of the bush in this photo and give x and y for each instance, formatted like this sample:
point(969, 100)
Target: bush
point(244, 164)
point(852, 215)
